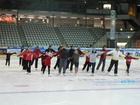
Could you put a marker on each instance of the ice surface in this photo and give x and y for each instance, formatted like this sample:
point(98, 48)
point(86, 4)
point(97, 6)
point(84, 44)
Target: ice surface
point(17, 88)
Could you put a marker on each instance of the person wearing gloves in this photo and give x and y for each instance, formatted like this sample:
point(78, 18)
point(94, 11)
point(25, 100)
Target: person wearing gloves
point(92, 55)
point(114, 61)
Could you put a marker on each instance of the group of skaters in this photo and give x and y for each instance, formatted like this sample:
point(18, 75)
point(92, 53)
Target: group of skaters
point(66, 58)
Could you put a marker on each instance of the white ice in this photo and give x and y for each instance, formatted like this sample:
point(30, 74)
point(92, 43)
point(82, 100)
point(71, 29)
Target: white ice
point(17, 88)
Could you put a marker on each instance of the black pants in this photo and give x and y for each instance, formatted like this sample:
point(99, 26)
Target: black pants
point(28, 66)
point(93, 67)
point(128, 66)
point(76, 64)
point(24, 64)
point(87, 64)
point(44, 68)
point(113, 62)
point(57, 63)
point(36, 62)
point(7, 62)
point(20, 61)
point(99, 64)
point(71, 66)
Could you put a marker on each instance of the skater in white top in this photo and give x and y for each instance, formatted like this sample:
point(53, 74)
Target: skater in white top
point(114, 61)
point(93, 54)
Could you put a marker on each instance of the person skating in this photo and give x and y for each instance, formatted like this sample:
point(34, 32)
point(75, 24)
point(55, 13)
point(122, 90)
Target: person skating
point(75, 58)
point(47, 62)
point(37, 52)
point(43, 57)
point(128, 62)
point(79, 51)
point(50, 49)
point(87, 63)
point(24, 62)
point(29, 57)
point(20, 58)
point(93, 55)
point(8, 57)
point(102, 59)
point(63, 59)
point(114, 61)
point(70, 61)
point(58, 58)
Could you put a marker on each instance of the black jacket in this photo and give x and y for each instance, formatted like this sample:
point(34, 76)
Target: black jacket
point(64, 54)
point(71, 52)
point(8, 55)
point(49, 49)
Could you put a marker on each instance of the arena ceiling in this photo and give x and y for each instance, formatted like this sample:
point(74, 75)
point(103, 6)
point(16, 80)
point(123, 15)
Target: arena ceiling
point(59, 5)
point(63, 6)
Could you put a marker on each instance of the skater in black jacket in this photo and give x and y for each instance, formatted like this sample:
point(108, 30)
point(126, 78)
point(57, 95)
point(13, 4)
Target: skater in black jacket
point(8, 56)
point(50, 49)
point(20, 58)
point(71, 53)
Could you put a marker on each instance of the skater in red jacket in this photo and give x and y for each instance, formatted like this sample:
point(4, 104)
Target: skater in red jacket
point(43, 57)
point(28, 57)
point(102, 59)
point(24, 60)
point(58, 58)
point(47, 62)
point(37, 52)
point(87, 63)
point(128, 61)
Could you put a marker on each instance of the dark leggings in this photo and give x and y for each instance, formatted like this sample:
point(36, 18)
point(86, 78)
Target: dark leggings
point(20, 60)
point(28, 66)
point(86, 64)
point(93, 66)
point(36, 62)
point(99, 64)
point(44, 68)
point(128, 66)
point(7, 62)
point(57, 63)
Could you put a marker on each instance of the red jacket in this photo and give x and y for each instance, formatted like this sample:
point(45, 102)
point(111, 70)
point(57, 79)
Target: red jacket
point(87, 59)
point(103, 56)
point(129, 59)
point(80, 52)
point(24, 56)
point(28, 55)
point(58, 56)
point(47, 61)
point(43, 57)
point(37, 51)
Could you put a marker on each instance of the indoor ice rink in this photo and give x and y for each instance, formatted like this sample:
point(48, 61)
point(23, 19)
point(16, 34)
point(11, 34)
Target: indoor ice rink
point(86, 24)
point(18, 88)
